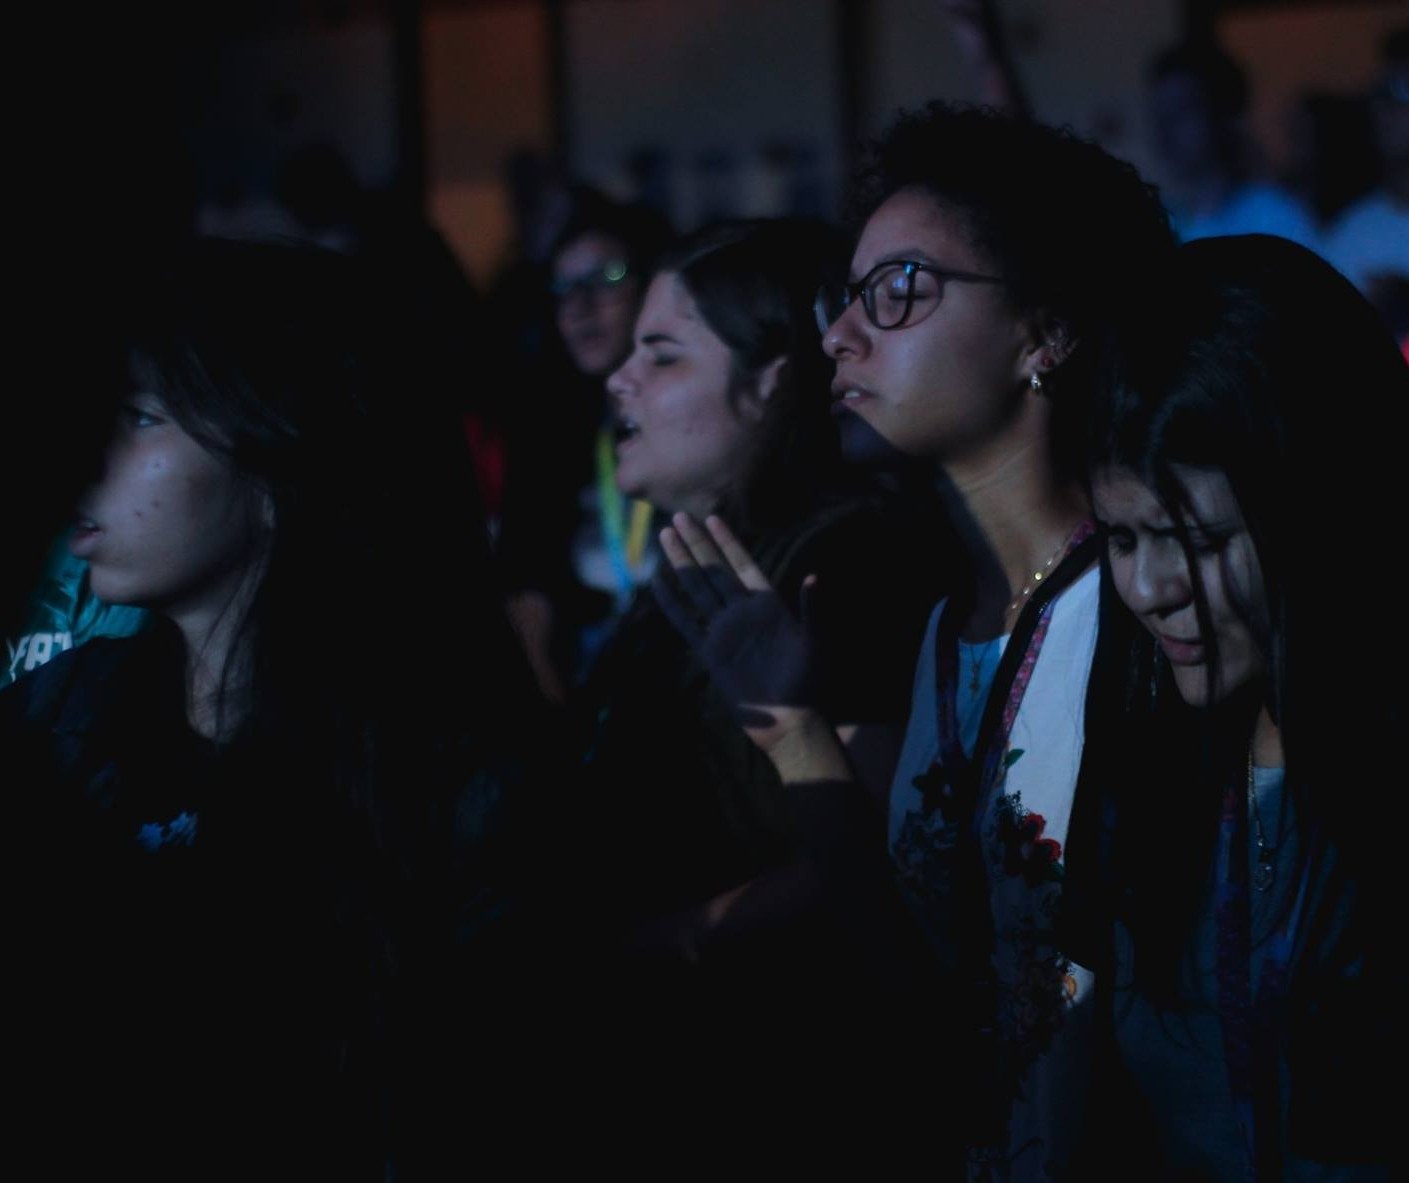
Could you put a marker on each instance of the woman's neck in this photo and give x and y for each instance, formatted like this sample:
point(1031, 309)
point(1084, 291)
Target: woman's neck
point(1014, 516)
point(1267, 742)
point(217, 669)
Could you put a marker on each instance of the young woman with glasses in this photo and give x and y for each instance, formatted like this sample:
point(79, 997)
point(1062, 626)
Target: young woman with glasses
point(574, 550)
point(993, 256)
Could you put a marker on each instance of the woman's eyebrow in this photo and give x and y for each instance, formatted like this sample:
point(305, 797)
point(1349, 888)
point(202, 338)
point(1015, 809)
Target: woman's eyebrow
point(904, 255)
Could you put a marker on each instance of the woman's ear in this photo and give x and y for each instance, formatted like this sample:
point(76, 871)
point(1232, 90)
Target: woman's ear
point(766, 384)
point(1050, 344)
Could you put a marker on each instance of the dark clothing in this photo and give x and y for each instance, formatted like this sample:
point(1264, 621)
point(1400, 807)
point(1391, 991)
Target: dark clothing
point(560, 513)
point(224, 968)
point(697, 807)
point(551, 442)
point(1147, 905)
point(680, 805)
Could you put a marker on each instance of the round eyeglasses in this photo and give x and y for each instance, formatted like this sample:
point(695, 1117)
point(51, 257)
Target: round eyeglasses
point(889, 293)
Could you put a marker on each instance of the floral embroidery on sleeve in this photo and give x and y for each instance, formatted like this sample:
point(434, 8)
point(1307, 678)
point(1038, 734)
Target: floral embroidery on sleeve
point(1036, 983)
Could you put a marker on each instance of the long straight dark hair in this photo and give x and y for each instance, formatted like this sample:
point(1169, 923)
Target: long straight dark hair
point(1263, 363)
point(375, 665)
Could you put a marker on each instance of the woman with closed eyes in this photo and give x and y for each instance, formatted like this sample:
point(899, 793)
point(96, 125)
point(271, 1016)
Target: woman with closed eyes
point(699, 893)
point(993, 255)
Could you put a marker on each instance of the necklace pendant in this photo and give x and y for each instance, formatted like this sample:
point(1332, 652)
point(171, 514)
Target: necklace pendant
point(1265, 871)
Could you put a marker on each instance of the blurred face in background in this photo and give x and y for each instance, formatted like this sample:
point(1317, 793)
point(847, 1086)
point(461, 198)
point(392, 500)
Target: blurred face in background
point(1184, 125)
point(597, 297)
point(685, 428)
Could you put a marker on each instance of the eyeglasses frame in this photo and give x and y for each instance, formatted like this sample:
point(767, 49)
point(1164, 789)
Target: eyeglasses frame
point(607, 278)
point(862, 286)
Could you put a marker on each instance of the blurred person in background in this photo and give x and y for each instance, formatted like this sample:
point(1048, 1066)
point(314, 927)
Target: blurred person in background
point(573, 547)
point(1198, 100)
point(1369, 242)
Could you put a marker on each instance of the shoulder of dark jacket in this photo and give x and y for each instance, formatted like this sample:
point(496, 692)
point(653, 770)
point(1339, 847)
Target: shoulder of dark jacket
point(69, 692)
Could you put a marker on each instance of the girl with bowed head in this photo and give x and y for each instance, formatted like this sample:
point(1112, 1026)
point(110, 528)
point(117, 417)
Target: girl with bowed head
point(1246, 886)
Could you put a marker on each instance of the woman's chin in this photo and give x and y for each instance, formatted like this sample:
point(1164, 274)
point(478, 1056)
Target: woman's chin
point(627, 486)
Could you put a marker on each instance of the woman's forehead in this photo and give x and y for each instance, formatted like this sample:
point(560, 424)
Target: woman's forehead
point(915, 224)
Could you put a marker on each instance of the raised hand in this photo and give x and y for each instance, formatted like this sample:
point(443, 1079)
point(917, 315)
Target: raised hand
point(761, 656)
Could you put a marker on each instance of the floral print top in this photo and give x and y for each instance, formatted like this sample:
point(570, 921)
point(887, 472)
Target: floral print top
point(1039, 998)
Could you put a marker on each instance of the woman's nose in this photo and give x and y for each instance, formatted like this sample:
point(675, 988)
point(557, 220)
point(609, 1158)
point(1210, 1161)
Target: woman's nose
point(847, 336)
point(619, 380)
point(1159, 583)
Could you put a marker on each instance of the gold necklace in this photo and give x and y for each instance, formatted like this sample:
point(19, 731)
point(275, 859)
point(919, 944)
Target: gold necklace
point(977, 652)
point(1266, 869)
point(1040, 574)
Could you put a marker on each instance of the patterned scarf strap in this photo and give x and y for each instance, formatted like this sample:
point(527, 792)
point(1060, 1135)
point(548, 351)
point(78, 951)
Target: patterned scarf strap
point(1011, 680)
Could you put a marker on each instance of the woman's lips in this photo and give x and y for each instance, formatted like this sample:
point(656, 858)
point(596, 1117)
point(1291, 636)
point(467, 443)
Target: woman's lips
point(626, 440)
point(849, 399)
point(623, 427)
point(1181, 651)
point(83, 538)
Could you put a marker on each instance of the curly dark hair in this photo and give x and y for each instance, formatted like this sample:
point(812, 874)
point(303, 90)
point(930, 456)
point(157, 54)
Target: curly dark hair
point(1072, 229)
point(1266, 365)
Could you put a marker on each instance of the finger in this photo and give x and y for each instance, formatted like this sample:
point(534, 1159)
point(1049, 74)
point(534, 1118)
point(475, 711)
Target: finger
point(754, 718)
point(807, 603)
point(674, 549)
point(707, 555)
point(690, 583)
point(699, 544)
point(739, 560)
point(678, 608)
